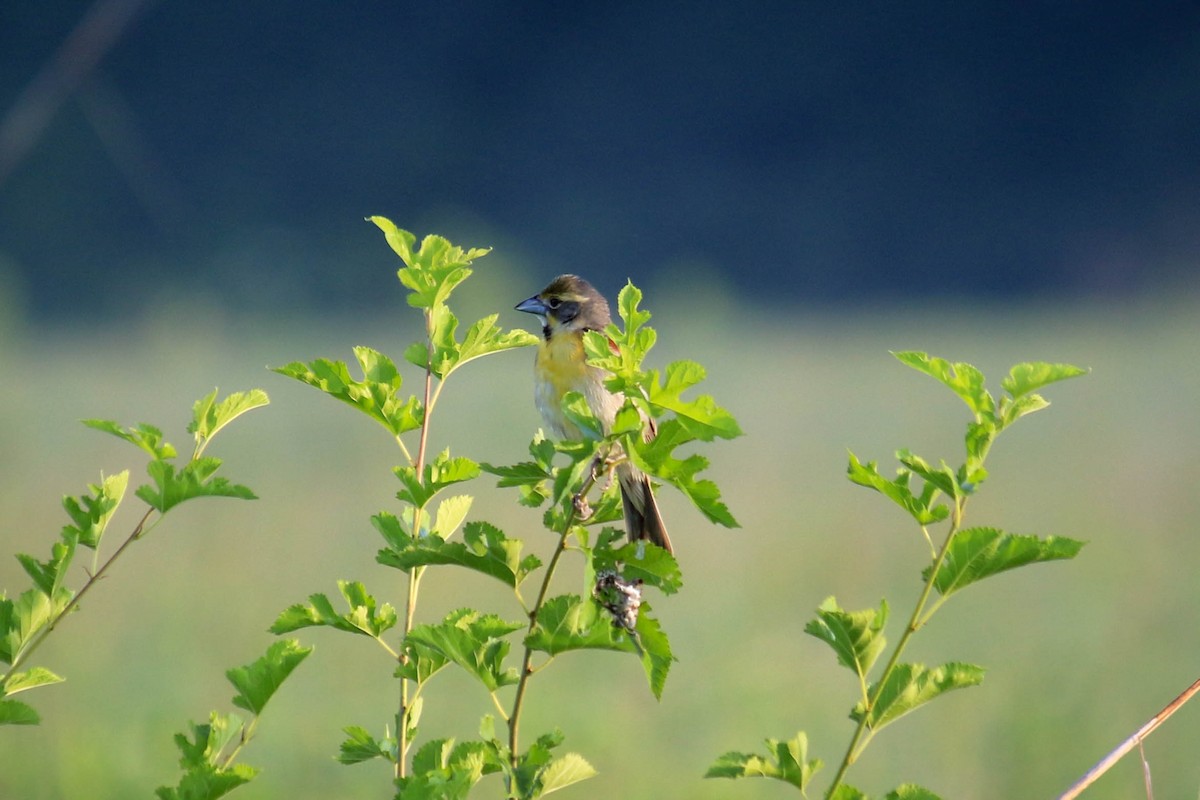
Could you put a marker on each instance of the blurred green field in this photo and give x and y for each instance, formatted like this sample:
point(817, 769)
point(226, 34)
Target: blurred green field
point(1079, 654)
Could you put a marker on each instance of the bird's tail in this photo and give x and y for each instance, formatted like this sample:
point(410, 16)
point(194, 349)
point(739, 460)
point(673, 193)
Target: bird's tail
point(642, 518)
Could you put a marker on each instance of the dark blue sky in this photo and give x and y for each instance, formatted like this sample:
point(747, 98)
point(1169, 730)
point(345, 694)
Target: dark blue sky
point(809, 150)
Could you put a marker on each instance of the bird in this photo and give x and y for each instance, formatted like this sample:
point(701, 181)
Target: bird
point(567, 308)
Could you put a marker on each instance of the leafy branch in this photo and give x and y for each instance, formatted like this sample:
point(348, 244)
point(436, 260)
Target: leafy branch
point(27, 621)
point(965, 556)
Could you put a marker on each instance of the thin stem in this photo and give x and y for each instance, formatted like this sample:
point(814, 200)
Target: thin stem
point(414, 580)
point(1133, 741)
point(527, 669)
point(857, 742)
point(243, 740)
point(93, 579)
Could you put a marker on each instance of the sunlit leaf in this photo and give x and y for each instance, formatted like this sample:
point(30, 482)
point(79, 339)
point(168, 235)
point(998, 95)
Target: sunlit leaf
point(977, 553)
point(785, 761)
point(856, 637)
point(910, 686)
point(258, 681)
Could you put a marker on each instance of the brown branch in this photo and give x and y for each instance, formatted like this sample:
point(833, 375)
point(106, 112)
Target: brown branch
point(1133, 741)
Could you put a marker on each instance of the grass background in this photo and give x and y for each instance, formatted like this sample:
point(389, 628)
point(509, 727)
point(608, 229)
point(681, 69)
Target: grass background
point(1079, 653)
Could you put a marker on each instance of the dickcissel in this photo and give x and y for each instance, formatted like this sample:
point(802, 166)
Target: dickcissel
point(567, 308)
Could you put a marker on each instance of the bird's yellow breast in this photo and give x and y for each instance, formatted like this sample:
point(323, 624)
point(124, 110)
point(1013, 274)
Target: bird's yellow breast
point(562, 367)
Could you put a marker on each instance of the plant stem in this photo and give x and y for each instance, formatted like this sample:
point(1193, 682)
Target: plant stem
point(414, 579)
point(857, 742)
point(514, 719)
point(93, 579)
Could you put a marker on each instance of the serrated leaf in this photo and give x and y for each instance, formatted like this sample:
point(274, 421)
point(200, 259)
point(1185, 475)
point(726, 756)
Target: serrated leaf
point(654, 649)
point(1024, 378)
point(362, 617)
point(360, 746)
point(91, 513)
point(919, 506)
point(1012, 409)
point(147, 437)
point(856, 637)
point(785, 761)
point(977, 553)
point(565, 770)
point(656, 457)
point(910, 686)
point(484, 549)
point(910, 791)
point(441, 472)
point(450, 514)
point(23, 617)
point(432, 271)
point(48, 575)
point(30, 679)
point(377, 395)
point(847, 792)
point(473, 641)
point(257, 681)
point(209, 416)
point(642, 561)
point(703, 418)
point(963, 379)
point(195, 479)
point(568, 622)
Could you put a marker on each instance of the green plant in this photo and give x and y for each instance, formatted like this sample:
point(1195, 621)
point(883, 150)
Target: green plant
point(27, 621)
point(964, 556)
point(567, 478)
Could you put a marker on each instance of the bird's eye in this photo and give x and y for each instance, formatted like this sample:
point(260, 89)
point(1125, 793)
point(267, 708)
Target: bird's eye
point(554, 302)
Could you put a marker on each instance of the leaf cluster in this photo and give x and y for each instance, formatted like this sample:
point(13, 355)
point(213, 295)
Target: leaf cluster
point(966, 556)
point(27, 620)
point(208, 751)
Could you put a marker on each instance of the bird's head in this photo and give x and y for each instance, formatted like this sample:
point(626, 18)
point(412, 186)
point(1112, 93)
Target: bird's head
point(568, 303)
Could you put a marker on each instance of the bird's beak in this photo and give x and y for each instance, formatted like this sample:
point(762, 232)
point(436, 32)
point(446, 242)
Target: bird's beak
point(533, 305)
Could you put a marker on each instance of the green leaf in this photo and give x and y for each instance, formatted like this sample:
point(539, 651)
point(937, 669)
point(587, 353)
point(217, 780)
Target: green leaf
point(22, 618)
point(642, 561)
point(147, 437)
point(977, 553)
point(1024, 378)
point(846, 792)
point(450, 514)
point(48, 575)
point(910, 686)
point(654, 649)
point(209, 416)
point(785, 761)
point(702, 417)
point(656, 457)
point(484, 549)
point(14, 712)
point(856, 637)
point(1013, 409)
point(363, 616)
point(443, 471)
point(30, 679)
point(943, 477)
point(91, 514)
point(204, 778)
point(920, 507)
point(377, 395)
point(361, 746)
point(194, 480)
point(963, 379)
point(568, 622)
point(910, 791)
point(482, 338)
point(473, 641)
point(257, 681)
point(563, 771)
point(431, 272)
